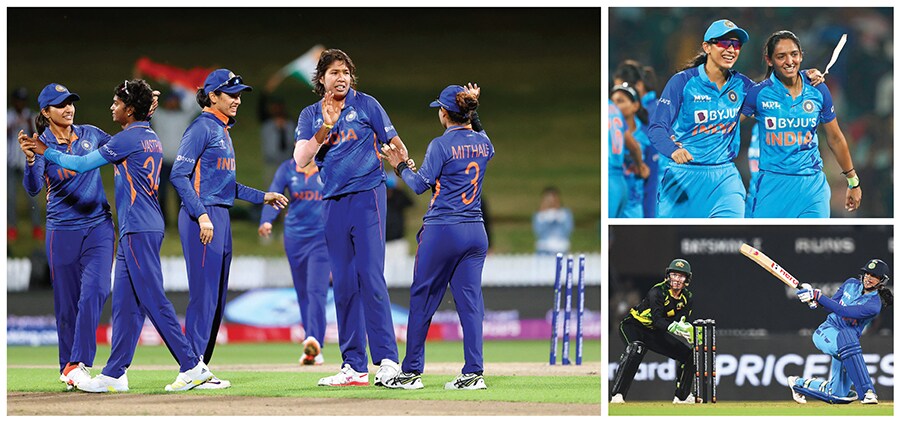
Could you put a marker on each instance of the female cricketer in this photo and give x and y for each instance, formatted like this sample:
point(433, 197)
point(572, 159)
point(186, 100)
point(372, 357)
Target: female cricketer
point(618, 187)
point(137, 155)
point(628, 102)
point(343, 132)
point(656, 324)
point(452, 241)
point(304, 245)
point(696, 125)
point(788, 111)
point(204, 175)
point(80, 235)
point(857, 302)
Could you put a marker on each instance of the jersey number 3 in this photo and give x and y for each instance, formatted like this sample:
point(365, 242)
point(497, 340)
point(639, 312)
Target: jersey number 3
point(469, 200)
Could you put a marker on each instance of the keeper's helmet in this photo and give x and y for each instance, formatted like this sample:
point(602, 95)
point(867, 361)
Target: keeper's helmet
point(878, 268)
point(682, 266)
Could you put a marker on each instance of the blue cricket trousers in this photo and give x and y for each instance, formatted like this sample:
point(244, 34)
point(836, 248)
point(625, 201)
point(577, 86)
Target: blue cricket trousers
point(207, 268)
point(80, 267)
point(138, 292)
point(701, 191)
point(791, 196)
point(354, 233)
point(308, 258)
point(448, 254)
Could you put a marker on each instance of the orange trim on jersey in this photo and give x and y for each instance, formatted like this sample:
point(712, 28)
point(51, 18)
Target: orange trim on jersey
point(437, 190)
point(132, 253)
point(197, 177)
point(130, 182)
point(219, 115)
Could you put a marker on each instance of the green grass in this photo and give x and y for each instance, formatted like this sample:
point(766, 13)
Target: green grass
point(557, 389)
point(752, 409)
point(539, 69)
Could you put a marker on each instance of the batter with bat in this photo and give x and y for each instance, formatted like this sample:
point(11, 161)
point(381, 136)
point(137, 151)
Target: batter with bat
point(659, 323)
point(856, 303)
point(788, 110)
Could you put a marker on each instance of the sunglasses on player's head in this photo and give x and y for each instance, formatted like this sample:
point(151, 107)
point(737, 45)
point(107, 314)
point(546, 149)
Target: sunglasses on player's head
point(233, 81)
point(725, 44)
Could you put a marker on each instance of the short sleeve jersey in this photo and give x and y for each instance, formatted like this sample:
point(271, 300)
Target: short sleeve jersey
point(75, 201)
point(454, 167)
point(305, 214)
point(206, 161)
point(787, 126)
point(616, 139)
point(137, 155)
point(348, 161)
point(692, 110)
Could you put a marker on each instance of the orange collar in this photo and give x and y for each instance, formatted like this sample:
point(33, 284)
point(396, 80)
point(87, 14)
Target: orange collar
point(221, 116)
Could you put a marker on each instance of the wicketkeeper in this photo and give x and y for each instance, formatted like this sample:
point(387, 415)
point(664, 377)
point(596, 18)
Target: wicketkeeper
point(659, 323)
point(857, 302)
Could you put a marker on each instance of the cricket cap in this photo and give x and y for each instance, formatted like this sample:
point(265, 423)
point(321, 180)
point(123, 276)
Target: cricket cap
point(876, 267)
point(447, 99)
point(722, 27)
point(225, 81)
point(679, 265)
point(54, 94)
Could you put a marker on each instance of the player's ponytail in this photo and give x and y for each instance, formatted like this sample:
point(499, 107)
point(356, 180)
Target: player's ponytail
point(203, 99)
point(41, 122)
point(773, 40)
point(698, 60)
point(467, 104)
point(887, 297)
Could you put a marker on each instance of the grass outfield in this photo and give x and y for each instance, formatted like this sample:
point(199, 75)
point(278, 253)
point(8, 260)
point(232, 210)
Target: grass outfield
point(752, 409)
point(30, 369)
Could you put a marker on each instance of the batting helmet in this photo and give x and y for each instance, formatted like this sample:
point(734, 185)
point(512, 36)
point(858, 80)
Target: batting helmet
point(878, 268)
point(682, 266)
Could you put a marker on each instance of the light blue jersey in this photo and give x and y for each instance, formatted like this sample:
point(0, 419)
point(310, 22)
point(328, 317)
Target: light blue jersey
point(851, 308)
point(787, 127)
point(753, 164)
point(617, 186)
point(634, 205)
point(695, 112)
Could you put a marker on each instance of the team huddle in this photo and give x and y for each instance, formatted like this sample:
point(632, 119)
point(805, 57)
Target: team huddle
point(682, 146)
point(341, 143)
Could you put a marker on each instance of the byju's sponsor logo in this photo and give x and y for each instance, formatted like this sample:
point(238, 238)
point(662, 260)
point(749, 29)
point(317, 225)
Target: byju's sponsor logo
point(701, 116)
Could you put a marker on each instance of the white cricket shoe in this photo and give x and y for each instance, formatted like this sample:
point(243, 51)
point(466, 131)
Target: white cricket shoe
point(617, 398)
point(312, 352)
point(689, 399)
point(347, 377)
point(870, 398)
point(405, 380)
point(103, 383)
point(466, 382)
point(792, 380)
point(388, 370)
point(191, 378)
point(214, 384)
point(73, 375)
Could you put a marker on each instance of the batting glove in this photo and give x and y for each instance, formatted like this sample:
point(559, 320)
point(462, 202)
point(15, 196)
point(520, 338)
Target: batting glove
point(807, 294)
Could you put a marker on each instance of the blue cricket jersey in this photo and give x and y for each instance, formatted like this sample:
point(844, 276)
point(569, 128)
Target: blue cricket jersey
point(453, 169)
point(75, 201)
point(137, 155)
point(851, 308)
point(787, 126)
point(348, 160)
point(695, 112)
point(305, 215)
point(205, 170)
point(616, 140)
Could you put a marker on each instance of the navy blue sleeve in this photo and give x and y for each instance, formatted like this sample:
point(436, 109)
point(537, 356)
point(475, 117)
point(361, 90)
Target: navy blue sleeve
point(279, 182)
point(661, 122)
point(749, 106)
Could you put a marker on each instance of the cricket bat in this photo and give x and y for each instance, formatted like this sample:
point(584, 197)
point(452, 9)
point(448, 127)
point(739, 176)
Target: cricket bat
point(769, 265)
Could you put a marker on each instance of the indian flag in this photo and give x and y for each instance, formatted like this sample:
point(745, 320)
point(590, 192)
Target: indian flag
point(303, 68)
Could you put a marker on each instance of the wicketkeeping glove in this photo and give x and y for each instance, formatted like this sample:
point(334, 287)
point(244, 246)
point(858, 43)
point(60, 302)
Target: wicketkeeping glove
point(808, 295)
point(682, 329)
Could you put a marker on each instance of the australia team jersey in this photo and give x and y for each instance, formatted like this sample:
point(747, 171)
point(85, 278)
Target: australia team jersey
point(305, 213)
point(75, 201)
point(787, 126)
point(695, 112)
point(453, 169)
point(137, 155)
point(616, 139)
point(348, 161)
point(205, 170)
point(857, 309)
